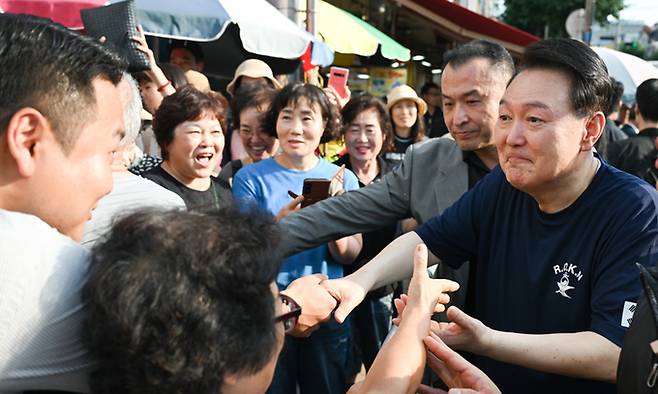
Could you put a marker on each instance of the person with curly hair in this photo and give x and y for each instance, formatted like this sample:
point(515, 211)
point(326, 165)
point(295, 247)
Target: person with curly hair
point(198, 315)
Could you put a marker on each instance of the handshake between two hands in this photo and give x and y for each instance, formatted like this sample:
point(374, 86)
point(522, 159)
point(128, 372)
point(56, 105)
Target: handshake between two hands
point(320, 297)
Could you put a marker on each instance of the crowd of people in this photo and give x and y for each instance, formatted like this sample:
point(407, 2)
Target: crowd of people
point(155, 235)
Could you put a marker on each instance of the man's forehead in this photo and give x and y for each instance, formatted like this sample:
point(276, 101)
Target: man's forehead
point(539, 88)
point(476, 74)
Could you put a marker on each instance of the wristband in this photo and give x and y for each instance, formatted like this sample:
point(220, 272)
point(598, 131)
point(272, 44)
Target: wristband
point(164, 86)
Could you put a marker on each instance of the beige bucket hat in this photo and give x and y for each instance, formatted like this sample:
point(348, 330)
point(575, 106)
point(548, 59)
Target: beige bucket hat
point(405, 92)
point(253, 68)
point(198, 80)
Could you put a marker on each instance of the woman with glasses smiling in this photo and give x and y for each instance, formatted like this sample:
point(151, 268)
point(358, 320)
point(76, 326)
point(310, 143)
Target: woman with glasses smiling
point(249, 107)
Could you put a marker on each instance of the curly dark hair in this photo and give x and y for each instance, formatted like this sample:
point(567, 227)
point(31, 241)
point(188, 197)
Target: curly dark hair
point(363, 103)
point(52, 69)
point(177, 300)
point(290, 95)
point(187, 103)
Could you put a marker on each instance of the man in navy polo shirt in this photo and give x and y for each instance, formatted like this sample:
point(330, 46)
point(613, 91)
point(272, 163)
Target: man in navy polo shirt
point(555, 231)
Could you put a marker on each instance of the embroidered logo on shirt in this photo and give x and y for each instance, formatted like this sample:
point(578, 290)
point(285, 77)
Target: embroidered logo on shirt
point(627, 314)
point(567, 273)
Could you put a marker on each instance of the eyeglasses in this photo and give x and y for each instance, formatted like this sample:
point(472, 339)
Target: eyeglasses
point(289, 319)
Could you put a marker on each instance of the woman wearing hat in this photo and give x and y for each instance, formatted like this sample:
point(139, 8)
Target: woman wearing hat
point(406, 110)
point(250, 72)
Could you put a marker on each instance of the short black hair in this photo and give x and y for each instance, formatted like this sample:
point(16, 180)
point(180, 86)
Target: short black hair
point(496, 54)
point(50, 68)
point(186, 104)
point(615, 98)
point(646, 97)
point(178, 299)
point(591, 89)
point(193, 47)
point(358, 104)
point(251, 96)
point(427, 86)
point(291, 94)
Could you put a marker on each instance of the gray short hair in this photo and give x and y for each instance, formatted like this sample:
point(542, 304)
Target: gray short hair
point(132, 110)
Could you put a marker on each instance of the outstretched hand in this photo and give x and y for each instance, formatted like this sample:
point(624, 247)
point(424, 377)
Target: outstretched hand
point(426, 292)
point(316, 303)
point(349, 294)
point(454, 371)
point(464, 332)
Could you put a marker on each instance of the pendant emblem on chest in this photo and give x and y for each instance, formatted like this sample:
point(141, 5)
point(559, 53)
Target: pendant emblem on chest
point(568, 276)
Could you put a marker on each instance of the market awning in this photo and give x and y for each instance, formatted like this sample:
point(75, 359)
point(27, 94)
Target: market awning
point(462, 24)
point(65, 12)
point(263, 30)
point(345, 33)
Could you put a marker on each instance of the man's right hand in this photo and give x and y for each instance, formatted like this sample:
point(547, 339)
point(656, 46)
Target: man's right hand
point(349, 294)
point(316, 303)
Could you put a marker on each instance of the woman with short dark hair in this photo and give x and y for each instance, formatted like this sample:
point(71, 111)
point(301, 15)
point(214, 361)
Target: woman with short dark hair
point(188, 130)
point(301, 116)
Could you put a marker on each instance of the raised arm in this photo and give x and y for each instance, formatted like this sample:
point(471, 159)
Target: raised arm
point(399, 365)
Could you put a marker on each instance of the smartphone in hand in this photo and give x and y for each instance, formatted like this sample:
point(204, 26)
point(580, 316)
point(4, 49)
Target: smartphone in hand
point(338, 80)
point(315, 190)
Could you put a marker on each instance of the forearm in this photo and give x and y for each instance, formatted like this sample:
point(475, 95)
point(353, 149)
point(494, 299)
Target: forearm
point(157, 77)
point(345, 250)
point(584, 354)
point(378, 204)
point(399, 365)
point(392, 264)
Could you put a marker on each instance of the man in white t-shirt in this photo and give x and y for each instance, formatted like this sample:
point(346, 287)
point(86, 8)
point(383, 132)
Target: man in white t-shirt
point(60, 121)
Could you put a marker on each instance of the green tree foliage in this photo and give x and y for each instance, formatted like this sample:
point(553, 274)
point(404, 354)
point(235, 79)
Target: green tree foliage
point(534, 15)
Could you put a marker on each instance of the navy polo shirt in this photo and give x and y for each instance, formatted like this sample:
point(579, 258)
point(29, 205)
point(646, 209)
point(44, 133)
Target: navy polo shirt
point(544, 273)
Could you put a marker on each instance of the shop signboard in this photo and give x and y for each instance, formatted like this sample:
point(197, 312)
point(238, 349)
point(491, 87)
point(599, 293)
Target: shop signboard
point(383, 79)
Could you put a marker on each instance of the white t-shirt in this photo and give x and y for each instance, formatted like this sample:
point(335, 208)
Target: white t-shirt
point(129, 192)
point(42, 273)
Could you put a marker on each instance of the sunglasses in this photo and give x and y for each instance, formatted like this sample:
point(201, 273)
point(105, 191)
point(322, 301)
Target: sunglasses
point(289, 319)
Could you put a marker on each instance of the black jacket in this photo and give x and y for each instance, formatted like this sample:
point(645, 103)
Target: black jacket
point(637, 155)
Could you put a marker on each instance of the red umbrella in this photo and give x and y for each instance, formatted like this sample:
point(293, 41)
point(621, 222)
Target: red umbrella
point(66, 12)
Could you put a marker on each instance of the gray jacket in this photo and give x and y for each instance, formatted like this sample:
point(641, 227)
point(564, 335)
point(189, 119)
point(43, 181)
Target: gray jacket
point(432, 176)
